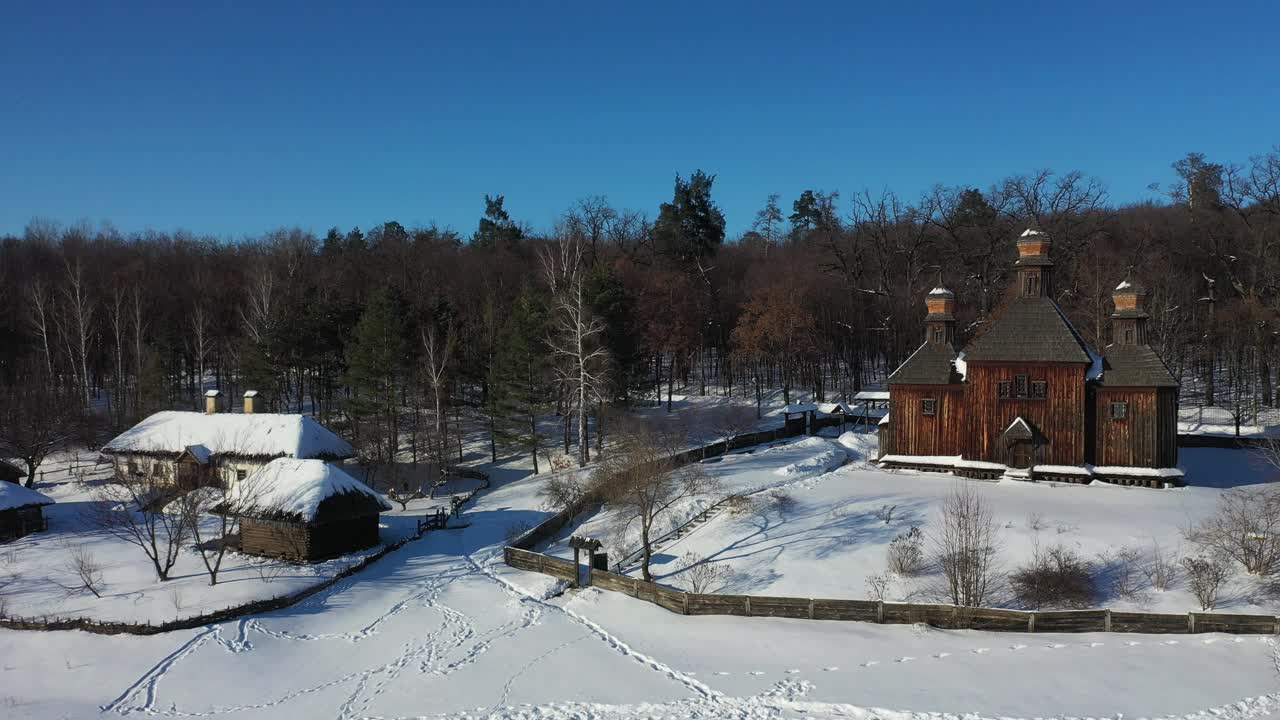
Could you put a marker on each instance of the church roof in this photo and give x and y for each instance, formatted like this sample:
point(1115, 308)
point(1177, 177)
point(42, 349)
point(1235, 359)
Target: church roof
point(1031, 329)
point(1135, 366)
point(932, 364)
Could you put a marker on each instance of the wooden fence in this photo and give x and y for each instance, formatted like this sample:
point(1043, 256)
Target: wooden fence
point(894, 613)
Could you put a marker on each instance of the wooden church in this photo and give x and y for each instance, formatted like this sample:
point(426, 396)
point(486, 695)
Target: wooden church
point(1029, 398)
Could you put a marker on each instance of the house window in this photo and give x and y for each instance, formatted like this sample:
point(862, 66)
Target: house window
point(1039, 389)
point(241, 475)
point(929, 406)
point(1020, 386)
point(133, 467)
point(1005, 389)
point(1119, 410)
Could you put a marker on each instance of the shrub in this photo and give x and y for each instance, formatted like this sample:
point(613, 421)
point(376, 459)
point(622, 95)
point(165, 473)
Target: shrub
point(1246, 528)
point(782, 501)
point(885, 513)
point(1055, 577)
point(740, 505)
point(1205, 576)
point(877, 586)
point(1125, 567)
point(906, 552)
point(965, 545)
point(701, 576)
point(1161, 570)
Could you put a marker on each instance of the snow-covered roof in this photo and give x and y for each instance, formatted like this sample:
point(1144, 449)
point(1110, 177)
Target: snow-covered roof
point(1124, 285)
point(14, 496)
point(1095, 365)
point(1019, 424)
point(941, 291)
point(199, 453)
point(884, 420)
point(212, 393)
point(296, 488)
point(263, 435)
point(871, 395)
point(1031, 232)
point(835, 408)
point(800, 408)
point(962, 367)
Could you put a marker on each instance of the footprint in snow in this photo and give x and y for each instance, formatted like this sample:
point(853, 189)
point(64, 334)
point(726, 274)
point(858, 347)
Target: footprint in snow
point(1094, 644)
point(1017, 647)
point(1055, 646)
point(1132, 643)
point(981, 651)
point(723, 673)
point(942, 655)
point(1170, 642)
point(1210, 641)
point(905, 659)
point(793, 671)
point(869, 663)
point(756, 672)
point(833, 668)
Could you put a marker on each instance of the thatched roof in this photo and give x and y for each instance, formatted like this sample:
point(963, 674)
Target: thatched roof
point(14, 496)
point(255, 435)
point(303, 491)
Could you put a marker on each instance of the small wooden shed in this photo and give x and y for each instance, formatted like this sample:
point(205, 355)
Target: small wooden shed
point(21, 511)
point(11, 473)
point(305, 511)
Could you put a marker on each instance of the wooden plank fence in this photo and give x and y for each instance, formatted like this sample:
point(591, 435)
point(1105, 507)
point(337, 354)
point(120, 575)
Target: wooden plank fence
point(894, 613)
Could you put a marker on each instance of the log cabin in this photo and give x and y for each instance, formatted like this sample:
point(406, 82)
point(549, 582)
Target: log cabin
point(21, 511)
point(1029, 398)
point(221, 448)
point(304, 511)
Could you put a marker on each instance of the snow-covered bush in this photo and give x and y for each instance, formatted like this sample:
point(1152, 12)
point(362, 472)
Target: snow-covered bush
point(1246, 528)
point(83, 571)
point(906, 552)
point(1161, 569)
point(1056, 577)
point(966, 545)
point(877, 586)
point(1125, 568)
point(782, 501)
point(740, 505)
point(562, 461)
point(1205, 576)
point(701, 576)
point(885, 513)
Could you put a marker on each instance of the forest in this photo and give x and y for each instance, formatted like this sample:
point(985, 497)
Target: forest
point(399, 337)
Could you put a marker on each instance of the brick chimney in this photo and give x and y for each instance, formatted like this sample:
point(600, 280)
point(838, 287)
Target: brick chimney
point(940, 323)
point(1035, 269)
point(211, 399)
point(1129, 321)
point(250, 402)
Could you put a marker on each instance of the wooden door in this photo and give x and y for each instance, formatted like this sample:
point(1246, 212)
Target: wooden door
point(1020, 454)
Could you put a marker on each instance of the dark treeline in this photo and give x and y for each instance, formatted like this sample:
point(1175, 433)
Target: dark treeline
point(398, 335)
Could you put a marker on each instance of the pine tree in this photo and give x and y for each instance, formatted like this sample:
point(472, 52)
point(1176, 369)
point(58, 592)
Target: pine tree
point(519, 376)
point(375, 364)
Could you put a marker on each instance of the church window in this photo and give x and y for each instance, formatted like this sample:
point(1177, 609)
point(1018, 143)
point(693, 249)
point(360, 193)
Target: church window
point(1119, 410)
point(1039, 389)
point(929, 406)
point(1020, 386)
point(1005, 389)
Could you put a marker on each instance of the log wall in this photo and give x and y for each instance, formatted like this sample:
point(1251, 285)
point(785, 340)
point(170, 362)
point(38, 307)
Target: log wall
point(1060, 415)
point(914, 433)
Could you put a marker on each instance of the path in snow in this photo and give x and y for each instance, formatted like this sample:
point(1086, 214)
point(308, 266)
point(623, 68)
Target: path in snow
point(441, 629)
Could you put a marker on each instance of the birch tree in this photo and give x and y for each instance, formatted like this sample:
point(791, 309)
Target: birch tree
point(581, 359)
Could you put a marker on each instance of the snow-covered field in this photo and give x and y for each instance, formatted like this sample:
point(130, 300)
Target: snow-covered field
point(37, 578)
point(806, 532)
point(441, 628)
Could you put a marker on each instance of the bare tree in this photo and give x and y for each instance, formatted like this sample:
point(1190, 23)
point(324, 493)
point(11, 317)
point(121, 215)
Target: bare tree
point(642, 479)
point(128, 507)
point(729, 421)
point(80, 329)
point(582, 361)
point(437, 353)
point(965, 545)
point(1245, 528)
point(700, 575)
point(33, 420)
point(1205, 576)
point(84, 573)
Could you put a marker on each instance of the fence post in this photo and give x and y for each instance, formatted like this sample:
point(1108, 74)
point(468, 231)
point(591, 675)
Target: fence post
point(880, 611)
point(1191, 622)
point(1106, 620)
point(686, 602)
point(747, 605)
point(1031, 621)
point(810, 608)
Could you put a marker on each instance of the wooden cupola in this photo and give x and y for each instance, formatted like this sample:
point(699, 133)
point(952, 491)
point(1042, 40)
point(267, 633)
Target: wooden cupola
point(1129, 321)
point(940, 323)
point(1035, 269)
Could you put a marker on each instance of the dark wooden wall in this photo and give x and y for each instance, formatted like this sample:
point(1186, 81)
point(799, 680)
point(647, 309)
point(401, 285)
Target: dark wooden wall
point(17, 522)
point(1060, 416)
point(1147, 437)
point(307, 543)
point(914, 433)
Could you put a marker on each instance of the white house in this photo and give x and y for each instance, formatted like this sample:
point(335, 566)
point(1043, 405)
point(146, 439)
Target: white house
point(213, 447)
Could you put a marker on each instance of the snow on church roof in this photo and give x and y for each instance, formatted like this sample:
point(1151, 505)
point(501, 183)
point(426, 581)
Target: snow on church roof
point(1124, 285)
point(262, 435)
point(941, 291)
point(1031, 232)
point(296, 488)
point(14, 496)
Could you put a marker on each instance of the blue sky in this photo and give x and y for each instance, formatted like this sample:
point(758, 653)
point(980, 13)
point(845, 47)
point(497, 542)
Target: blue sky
point(236, 119)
